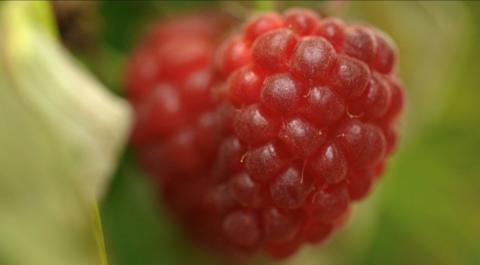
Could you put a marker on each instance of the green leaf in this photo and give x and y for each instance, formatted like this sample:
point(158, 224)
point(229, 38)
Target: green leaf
point(60, 135)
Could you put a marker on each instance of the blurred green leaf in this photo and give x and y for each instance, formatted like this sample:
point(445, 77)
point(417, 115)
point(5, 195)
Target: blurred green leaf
point(430, 210)
point(429, 213)
point(60, 134)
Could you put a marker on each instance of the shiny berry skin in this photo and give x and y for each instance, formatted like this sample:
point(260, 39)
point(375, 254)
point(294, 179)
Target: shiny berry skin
point(313, 58)
point(281, 93)
point(315, 103)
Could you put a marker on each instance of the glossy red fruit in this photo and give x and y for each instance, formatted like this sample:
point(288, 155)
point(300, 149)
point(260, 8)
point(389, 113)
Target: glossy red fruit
point(267, 151)
point(316, 102)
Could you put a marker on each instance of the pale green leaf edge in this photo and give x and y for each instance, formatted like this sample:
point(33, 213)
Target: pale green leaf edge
point(30, 22)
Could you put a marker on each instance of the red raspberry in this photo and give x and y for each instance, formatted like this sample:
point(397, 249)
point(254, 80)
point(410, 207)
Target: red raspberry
point(313, 114)
point(169, 80)
point(314, 117)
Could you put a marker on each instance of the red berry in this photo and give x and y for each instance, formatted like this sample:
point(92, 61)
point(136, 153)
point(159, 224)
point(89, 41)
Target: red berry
point(170, 77)
point(170, 80)
point(268, 151)
point(315, 106)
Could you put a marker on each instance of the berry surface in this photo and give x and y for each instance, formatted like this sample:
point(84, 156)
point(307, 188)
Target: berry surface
point(314, 109)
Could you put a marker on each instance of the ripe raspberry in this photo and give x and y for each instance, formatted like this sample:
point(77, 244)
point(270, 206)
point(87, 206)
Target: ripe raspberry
point(169, 80)
point(315, 103)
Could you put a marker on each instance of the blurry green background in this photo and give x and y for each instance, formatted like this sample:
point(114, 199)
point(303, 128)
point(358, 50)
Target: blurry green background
point(426, 210)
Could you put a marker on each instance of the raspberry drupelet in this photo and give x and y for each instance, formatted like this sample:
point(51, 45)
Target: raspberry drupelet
point(314, 110)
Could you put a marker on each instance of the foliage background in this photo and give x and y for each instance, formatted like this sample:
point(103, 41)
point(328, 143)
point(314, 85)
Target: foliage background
point(427, 208)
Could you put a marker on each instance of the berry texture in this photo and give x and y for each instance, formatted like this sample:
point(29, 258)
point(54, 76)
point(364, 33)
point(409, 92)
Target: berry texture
point(314, 106)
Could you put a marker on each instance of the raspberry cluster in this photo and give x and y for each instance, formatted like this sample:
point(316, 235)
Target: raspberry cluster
point(304, 120)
